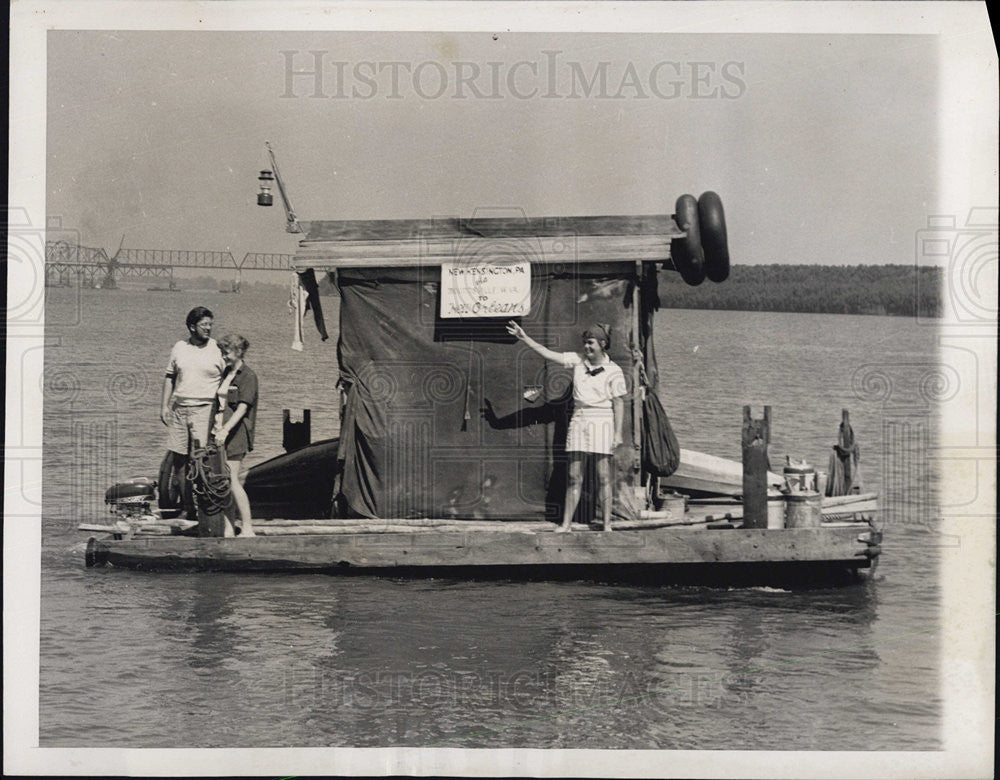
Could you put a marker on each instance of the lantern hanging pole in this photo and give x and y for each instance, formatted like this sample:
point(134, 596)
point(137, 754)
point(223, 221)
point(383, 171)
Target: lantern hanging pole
point(293, 223)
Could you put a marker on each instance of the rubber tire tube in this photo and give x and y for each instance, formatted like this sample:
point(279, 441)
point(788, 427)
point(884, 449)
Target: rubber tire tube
point(169, 492)
point(712, 222)
point(687, 252)
point(92, 558)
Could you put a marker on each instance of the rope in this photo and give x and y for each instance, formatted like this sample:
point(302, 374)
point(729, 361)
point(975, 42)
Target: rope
point(637, 357)
point(211, 488)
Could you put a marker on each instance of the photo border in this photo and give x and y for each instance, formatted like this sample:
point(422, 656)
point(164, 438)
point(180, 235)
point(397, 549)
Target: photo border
point(968, 107)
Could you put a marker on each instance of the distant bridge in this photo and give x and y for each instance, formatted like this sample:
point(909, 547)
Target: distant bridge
point(92, 267)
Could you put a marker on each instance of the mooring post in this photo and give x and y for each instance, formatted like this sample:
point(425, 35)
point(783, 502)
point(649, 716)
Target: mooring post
point(756, 436)
point(295, 435)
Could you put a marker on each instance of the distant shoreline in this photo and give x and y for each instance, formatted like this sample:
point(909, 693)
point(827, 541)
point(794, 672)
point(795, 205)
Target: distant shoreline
point(884, 290)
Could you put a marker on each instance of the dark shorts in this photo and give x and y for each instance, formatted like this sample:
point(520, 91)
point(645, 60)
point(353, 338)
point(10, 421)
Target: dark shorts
point(238, 444)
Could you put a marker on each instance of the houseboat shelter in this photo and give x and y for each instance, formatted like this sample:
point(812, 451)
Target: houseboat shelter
point(446, 415)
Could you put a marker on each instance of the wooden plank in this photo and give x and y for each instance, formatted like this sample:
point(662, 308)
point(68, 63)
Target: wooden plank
point(861, 506)
point(624, 525)
point(735, 511)
point(661, 514)
point(838, 501)
point(455, 227)
point(383, 528)
point(329, 255)
point(456, 548)
point(123, 526)
point(416, 522)
point(408, 524)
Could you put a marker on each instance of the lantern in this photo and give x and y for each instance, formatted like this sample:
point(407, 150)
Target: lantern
point(264, 197)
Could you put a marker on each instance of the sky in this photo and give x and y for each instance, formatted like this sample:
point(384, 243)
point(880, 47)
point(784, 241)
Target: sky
point(823, 148)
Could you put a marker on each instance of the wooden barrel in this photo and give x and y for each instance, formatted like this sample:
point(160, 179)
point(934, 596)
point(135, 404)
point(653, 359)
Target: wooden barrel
point(803, 510)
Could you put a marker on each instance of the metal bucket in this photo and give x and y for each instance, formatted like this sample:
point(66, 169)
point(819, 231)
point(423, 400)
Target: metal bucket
point(800, 479)
point(803, 510)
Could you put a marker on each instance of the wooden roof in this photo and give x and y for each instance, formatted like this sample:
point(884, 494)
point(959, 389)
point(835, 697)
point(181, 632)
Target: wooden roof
point(412, 242)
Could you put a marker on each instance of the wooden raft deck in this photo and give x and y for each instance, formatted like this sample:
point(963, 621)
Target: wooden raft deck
point(671, 554)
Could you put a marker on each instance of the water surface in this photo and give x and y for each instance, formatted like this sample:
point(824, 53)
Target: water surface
point(131, 659)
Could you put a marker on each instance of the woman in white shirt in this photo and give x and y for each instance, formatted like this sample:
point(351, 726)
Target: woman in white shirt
point(598, 413)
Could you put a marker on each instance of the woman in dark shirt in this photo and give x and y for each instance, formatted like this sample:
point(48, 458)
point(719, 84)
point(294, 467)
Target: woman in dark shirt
point(234, 420)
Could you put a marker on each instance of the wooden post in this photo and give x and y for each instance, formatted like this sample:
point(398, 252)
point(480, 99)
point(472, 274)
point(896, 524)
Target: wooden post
point(295, 436)
point(637, 391)
point(756, 435)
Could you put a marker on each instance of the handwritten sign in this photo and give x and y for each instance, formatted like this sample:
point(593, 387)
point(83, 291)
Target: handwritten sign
point(485, 289)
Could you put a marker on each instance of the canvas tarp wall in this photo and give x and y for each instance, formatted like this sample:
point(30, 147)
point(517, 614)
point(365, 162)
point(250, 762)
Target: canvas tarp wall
point(436, 423)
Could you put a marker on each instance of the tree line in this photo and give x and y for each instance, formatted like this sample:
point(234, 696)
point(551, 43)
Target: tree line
point(898, 290)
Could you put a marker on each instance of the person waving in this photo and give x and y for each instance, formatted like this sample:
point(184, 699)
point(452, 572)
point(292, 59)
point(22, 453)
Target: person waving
point(595, 429)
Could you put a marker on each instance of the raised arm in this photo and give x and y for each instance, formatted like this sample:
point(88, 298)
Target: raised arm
point(517, 332)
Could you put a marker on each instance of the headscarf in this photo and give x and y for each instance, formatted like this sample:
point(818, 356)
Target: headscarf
point(600, 331)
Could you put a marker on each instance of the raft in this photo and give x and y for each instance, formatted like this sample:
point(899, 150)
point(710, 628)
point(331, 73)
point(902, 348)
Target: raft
point(451, 457)
point(687, 554)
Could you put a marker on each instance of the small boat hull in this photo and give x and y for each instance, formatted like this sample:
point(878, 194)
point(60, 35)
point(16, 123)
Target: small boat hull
point(297, 484)
point(700, 474)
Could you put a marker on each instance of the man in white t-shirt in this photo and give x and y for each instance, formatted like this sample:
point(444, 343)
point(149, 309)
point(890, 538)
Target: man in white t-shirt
point(193, 374)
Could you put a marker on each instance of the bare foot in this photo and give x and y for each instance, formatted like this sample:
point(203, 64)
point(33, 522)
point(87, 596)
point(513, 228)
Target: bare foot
point(247, 533)
point(563, 529)
point(607, 528)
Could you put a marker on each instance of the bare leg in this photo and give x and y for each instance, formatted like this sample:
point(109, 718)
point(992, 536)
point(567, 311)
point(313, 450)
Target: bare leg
point(604, 481)
point(240, 495)
point(574, 483)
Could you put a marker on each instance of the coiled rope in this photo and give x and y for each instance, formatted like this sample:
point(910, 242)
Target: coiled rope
point(210, 485)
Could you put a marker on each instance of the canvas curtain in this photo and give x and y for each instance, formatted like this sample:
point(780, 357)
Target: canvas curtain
point(436, 423)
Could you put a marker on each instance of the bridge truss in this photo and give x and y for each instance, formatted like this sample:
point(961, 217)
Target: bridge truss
point(92, 267)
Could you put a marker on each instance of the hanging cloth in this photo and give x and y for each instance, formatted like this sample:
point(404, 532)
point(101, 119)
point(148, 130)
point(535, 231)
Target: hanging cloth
point(297, 307)
point(308, 280)
point(661, 452)
point(845, 462)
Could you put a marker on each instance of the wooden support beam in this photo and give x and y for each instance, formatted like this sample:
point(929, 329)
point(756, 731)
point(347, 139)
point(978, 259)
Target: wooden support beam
point(328, 255)
point(638, 391)
point(756, 436)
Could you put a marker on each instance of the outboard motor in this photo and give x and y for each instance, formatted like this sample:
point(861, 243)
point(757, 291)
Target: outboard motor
point(131, 500)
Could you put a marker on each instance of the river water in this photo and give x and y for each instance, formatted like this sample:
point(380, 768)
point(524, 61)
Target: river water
point(133, 659)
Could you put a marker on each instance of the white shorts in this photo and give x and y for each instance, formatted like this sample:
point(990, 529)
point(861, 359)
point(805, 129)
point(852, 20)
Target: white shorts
point(185, 423)
point(591, 430)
